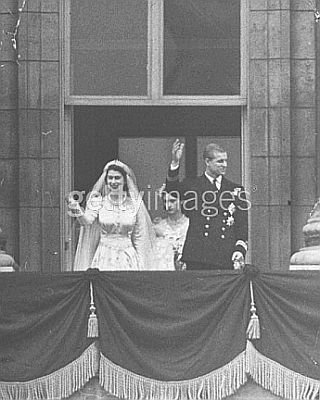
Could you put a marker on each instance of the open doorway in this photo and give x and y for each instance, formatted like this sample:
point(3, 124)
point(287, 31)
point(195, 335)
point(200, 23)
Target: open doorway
point(142, 136)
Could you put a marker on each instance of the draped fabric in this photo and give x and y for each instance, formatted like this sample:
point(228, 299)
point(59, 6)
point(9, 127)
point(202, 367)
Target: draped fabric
point(168, 335)
point(178, 326)
point(43, 323)
point(44, 349)
point(288, 305)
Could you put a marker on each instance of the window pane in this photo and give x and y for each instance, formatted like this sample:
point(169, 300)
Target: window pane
point(155, 153)
point(109, 43)
point(201, 47)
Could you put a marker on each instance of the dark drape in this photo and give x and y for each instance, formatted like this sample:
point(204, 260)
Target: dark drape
point(188, 328)
point(43, 323)
point(171, 325)
point(288, 306)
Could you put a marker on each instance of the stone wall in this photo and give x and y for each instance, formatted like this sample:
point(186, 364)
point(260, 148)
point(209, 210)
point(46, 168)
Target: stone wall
point(30, 119)
point(303, 117)
point(282, 126)
point(39, 102)
point(9, 148)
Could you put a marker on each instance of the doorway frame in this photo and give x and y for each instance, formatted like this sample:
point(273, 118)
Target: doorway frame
point(154, 98)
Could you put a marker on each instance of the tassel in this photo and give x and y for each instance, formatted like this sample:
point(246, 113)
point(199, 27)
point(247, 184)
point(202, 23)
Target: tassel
point(253, 329)
point(93, 328)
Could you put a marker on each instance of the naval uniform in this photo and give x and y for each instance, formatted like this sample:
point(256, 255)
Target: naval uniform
point(218, 220)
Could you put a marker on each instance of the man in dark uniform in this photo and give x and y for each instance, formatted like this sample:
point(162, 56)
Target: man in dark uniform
point(217, 209)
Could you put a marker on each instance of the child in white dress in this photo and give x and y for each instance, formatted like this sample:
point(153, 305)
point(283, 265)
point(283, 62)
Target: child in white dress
point(171, 233)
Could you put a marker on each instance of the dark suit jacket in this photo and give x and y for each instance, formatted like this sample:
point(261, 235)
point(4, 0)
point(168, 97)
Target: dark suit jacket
point(218, 220)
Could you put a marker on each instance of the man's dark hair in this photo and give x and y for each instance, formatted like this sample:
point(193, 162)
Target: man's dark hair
point(212, 148)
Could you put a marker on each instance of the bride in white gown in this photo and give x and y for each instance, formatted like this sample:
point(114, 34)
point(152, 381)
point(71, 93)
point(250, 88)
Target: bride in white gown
point(116, 231)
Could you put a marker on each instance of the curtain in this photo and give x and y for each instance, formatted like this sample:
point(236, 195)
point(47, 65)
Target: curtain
point(168, 335)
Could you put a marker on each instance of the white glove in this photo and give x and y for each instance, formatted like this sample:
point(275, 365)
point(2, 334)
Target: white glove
point(238, 260)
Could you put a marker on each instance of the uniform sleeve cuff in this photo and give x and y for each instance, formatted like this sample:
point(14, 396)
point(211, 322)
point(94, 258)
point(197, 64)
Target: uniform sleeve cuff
point(241, 246)
point(174, 166)
point(173, 174)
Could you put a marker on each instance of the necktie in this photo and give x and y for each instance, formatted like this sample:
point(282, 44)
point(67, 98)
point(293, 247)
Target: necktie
point(214, 186)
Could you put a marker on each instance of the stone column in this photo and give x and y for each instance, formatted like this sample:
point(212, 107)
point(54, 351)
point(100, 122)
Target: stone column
point(39, 102)
point(9, 188)
point(269, 132)
point(303, 116)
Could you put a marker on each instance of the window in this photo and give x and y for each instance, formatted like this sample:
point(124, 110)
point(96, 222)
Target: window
point(109, 47)
point(201, 52)
point(155, 51)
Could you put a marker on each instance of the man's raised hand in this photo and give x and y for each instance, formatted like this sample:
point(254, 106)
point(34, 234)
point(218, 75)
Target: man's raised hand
point(177, 151)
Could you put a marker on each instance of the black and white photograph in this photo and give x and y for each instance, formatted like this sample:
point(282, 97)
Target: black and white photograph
point(159, 199)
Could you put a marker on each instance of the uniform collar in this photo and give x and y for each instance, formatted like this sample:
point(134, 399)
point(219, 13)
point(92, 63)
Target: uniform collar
point(217, 180)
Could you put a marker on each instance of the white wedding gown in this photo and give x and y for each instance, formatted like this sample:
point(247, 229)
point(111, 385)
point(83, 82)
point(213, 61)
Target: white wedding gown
point(119, 236)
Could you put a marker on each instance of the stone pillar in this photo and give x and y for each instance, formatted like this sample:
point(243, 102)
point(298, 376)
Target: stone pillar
point(282, 123)
point(9, 188)
point(303, 116)
point(304, 136)
point(317, 55)
point(39, 115)
point(309, 256)
point(269, 132)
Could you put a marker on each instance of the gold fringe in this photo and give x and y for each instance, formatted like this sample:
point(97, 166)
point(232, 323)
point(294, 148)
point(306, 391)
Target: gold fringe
point(215, 385)
point(278, 379)
point(60, 384)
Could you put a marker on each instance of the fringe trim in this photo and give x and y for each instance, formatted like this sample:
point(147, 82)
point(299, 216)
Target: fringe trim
point(215, 385)
point(278, 379)
point(60, 384)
